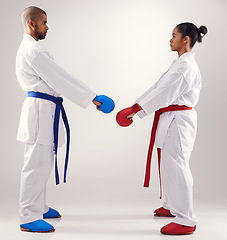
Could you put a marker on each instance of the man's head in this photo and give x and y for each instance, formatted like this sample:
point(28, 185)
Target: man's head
point(34, 21)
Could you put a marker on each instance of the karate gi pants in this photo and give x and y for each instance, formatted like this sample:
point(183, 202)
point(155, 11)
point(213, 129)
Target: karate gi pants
point(177, 179)
point(38, 162)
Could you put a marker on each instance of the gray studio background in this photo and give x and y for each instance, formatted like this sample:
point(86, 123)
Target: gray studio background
point(118, 48)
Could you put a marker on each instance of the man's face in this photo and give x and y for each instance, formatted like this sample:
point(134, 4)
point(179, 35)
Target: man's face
point(41, 27)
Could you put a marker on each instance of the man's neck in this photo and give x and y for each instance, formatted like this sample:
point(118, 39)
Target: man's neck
point(31, 34)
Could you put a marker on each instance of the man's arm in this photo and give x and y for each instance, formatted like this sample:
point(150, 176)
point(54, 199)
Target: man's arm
point(63, 82)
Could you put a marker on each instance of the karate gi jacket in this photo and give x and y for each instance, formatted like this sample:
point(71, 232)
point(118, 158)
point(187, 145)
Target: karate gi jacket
point(179, 85)
point(37, 71)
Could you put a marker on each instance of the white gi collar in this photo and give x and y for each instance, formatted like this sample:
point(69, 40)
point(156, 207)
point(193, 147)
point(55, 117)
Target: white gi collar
point(187, 54)
point(28, 37)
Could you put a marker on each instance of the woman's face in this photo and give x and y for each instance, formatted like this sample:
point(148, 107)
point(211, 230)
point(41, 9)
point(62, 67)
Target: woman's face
point(176, 42)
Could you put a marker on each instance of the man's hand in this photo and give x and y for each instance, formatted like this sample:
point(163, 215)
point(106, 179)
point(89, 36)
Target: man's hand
point(104, 103)
point(97, 104)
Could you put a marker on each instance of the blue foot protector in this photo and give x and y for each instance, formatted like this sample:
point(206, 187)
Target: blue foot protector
point(51, 214)
point(107, 105)
point(37, 226)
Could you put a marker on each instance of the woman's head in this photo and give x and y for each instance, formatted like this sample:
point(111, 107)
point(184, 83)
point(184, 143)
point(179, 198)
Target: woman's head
point(195, 34)
point(185, 35)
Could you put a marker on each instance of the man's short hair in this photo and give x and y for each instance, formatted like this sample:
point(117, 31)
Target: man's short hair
point(31, 13)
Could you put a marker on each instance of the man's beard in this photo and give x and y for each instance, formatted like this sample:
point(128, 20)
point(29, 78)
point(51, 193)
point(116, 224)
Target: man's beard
point(39, 35)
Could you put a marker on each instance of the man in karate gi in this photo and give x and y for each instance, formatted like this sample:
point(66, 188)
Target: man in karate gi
point(44, 80)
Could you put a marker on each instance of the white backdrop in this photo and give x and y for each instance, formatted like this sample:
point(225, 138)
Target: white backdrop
point(118, 48)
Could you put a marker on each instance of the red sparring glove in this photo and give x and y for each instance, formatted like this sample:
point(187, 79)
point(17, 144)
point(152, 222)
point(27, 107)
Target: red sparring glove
point(121, 117)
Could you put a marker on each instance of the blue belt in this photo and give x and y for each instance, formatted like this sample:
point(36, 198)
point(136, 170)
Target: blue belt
point(59, 108)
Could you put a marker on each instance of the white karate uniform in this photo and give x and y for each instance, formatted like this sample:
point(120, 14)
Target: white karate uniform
point(176, 132)
point(37, 71)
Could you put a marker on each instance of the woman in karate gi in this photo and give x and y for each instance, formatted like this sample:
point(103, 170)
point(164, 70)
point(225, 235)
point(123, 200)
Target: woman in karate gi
point(176, 130)
point(38, 73)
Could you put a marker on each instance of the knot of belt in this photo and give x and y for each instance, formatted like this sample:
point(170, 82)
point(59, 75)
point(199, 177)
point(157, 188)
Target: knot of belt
point(59, 109)
point(152, 140)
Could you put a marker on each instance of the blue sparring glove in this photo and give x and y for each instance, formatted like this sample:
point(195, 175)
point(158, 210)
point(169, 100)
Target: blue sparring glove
point(107, 105)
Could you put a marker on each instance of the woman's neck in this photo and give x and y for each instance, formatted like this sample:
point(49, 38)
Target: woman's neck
point(184, 50)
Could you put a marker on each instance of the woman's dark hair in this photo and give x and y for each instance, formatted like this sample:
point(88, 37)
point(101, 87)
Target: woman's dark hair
point(189, 29)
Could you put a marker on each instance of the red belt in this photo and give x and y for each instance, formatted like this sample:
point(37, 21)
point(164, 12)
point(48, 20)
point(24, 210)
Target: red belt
point(152, 140)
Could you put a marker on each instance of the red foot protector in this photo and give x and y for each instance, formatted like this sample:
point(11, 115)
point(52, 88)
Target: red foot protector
point(177, 229)
point(121, 117)
point(162, 212)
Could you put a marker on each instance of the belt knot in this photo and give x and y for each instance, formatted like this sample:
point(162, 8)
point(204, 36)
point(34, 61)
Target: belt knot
point(59, 100)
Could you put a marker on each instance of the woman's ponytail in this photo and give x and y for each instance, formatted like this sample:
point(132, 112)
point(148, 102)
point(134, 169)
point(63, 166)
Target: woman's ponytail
point(202, 31)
